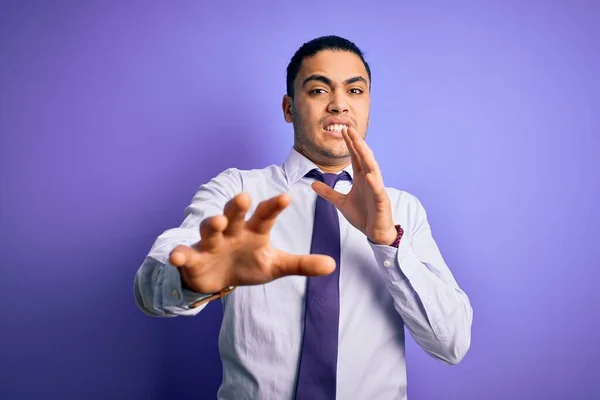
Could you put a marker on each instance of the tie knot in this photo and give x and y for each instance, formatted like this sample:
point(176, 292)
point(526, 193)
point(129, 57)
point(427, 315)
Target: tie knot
point(329, 179)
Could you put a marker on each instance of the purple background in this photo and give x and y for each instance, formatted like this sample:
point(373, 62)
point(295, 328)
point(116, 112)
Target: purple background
point(111, 116)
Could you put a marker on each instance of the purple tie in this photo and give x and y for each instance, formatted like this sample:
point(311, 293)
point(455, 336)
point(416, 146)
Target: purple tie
point(318, 359)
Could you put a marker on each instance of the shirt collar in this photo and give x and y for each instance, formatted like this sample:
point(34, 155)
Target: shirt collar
point(297, 165)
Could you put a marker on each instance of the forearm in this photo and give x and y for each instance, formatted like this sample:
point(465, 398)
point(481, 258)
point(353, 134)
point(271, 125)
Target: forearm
point(437, 313)
point(158, 287)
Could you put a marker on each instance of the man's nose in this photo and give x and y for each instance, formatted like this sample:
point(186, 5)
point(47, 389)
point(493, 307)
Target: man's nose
point(338, 103)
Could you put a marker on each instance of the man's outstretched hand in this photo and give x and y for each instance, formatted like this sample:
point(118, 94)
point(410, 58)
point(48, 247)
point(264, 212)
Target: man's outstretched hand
point(236, 252)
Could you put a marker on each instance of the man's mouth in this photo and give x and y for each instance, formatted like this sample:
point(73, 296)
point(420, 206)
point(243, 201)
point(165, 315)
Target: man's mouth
point(335, 127)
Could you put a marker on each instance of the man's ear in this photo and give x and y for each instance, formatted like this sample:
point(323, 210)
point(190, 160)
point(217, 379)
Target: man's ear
point(286, 106)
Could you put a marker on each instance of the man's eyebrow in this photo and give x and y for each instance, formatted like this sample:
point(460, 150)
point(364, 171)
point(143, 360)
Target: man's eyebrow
point(356, 79)
point(327, 81)
point(319, 78)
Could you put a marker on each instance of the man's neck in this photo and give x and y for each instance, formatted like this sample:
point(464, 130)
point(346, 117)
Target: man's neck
point(333, 168)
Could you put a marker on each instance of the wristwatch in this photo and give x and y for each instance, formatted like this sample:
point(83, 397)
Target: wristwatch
point(222, 293)
point(210, 297)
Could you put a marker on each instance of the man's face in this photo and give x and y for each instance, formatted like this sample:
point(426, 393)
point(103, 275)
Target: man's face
point(331, 90)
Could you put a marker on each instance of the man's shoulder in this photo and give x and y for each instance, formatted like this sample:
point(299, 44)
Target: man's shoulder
point(250, 172)
point(405, 200)
point(401, 195)
point(272, 173)
point(272, 170)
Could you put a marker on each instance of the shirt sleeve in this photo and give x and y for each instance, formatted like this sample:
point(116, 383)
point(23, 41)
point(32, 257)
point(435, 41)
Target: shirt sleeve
point(435, 310)
point(157, 284)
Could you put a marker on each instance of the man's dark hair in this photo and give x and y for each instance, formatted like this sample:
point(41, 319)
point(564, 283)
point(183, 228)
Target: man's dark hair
point(309, 49)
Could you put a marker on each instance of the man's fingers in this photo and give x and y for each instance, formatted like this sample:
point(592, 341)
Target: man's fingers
point(328, 193)
point(354, 156)
point(266, 213)
point(366, 155)
point(355, 141)
point(235, 210)
point(305, 265)
point(184, 256)
point(377, 187)
point(211, 230)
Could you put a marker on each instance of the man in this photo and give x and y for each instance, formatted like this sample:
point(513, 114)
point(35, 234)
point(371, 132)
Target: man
point(318, 265)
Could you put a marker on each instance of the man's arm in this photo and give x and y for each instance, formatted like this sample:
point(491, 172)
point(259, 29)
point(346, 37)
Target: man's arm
point(216, 249)
point(158, 287)
point(435, 310)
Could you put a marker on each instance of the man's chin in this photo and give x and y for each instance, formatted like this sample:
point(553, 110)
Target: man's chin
point(334, 153)
point(338, 151)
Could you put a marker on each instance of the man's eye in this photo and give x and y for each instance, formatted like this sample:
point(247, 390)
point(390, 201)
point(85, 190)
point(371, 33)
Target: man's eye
point(356, 91)
point(317, 91)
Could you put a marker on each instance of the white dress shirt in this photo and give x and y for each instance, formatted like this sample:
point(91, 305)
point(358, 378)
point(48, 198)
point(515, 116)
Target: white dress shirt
point(382, 290)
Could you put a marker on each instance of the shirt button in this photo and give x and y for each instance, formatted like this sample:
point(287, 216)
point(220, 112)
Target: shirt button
point(386, 263)
point(175, 294)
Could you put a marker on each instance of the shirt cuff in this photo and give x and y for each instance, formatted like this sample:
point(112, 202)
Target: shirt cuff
point(172, 292)
point(401, 262)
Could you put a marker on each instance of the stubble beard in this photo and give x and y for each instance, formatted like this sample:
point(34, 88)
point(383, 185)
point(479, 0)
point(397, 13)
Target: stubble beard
point(305, 145)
